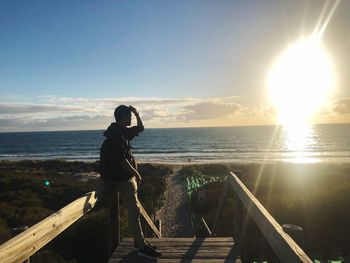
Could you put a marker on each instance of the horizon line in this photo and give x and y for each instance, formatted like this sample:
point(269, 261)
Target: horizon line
point(183, 127)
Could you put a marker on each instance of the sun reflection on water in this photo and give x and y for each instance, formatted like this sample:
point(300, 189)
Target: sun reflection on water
point(299, 140)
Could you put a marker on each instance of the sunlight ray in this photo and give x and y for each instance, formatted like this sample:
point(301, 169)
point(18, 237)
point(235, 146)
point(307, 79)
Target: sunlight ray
point(324, 9)
point(335, 5)
point(300, 82)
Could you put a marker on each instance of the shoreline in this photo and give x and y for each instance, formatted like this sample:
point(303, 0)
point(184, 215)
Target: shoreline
point(184, 163)
point(78, 168)
point(87, 170)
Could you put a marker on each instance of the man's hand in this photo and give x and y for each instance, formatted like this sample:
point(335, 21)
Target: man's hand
point(136, 113)
point(133, 110)
point(127, 166)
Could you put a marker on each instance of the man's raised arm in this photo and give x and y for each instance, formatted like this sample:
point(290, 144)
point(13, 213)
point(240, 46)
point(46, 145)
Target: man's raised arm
point(139, 121)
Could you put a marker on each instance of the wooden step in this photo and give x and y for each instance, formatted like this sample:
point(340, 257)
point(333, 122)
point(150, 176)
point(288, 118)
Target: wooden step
point(196, 250)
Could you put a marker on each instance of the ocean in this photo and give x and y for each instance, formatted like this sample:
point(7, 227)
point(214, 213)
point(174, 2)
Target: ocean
point(320, 143)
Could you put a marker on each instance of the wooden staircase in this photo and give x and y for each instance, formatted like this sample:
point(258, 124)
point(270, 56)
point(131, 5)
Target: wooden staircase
point(210, 249)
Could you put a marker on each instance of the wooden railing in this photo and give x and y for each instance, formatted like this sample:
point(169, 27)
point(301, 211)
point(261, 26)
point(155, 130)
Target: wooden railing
point(24, 245)
point(283, 245)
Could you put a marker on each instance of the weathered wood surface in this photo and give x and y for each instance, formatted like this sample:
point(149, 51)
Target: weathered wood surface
point(141, 260)
point(22, 246)
point(239, 214)
point(283, 245)
point(30, 241)
point(150, 222)
point(196, 250)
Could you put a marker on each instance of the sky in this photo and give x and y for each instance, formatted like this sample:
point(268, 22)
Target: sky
point(65, 65)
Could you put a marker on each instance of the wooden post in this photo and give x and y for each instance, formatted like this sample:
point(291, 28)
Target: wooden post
point(159, 225)
point(114, 222)
point(238, 219)
point(145, 228)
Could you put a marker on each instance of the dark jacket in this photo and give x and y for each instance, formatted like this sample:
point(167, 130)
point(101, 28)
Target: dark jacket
point(116, 148)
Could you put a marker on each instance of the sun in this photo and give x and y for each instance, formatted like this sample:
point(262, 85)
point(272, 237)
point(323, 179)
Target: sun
point(300, 81)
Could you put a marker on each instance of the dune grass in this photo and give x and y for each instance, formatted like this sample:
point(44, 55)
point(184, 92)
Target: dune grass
point(313, 196)
point(26, 198)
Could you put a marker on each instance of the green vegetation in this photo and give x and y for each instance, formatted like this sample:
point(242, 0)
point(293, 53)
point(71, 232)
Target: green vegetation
point(313, 196)
point(198, 176)
point(32, 190)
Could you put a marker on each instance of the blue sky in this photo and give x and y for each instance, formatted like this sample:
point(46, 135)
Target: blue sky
point(65, 62)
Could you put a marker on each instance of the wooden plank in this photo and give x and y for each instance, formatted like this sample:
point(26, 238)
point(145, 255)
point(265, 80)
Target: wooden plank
point(167, 260)
point(150, 222)
point(181, 250)
point(169, 248)
point(30, 241)
point(160, 245)
point(184, 252)
point(238, 214)
point(183, 239)
point(184, 255)
point(283, 245)
point(184, 244)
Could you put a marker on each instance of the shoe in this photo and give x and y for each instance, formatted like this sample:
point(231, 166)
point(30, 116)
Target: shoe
point(149, 252)
point(147, 244)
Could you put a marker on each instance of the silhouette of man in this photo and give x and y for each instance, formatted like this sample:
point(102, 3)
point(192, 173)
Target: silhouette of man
point(118, 167)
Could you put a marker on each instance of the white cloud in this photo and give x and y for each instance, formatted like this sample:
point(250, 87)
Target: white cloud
point(117, 101)
point(152, 114)
point(342, 106)
point(209, 110)
point(6, 108)
point(79, 122)
point(64, 113)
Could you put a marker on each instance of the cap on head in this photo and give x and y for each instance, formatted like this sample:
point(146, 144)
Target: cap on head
point(120, 111)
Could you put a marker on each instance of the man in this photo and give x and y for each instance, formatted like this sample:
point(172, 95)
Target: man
point(118, 167)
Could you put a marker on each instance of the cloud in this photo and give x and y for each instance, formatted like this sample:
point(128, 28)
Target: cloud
point(342, 106)
point(79, 122)
point(209, 110)
point(117, 101)
point(69, 113)
point(34, 108)
point(152, 114)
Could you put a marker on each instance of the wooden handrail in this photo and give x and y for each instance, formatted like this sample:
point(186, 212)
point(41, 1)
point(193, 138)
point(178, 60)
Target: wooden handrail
point(24, 245)
point(34, 238)
point(150, 222)
point(283, 245)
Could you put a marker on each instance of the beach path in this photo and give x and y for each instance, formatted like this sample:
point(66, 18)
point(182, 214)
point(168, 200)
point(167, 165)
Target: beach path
point(175, 216)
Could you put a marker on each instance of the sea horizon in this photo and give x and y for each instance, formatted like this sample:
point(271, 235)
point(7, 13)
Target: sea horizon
point(184, 127)
point(240, 144)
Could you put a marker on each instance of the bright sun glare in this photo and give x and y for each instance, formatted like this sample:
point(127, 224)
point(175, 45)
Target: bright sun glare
point(300, 81)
